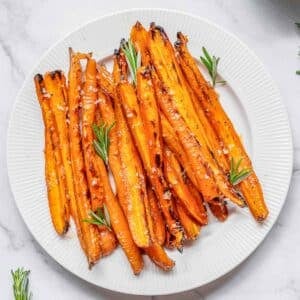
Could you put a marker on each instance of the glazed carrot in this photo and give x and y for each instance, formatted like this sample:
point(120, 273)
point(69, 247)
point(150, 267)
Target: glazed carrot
point(168, 70)
point(116, 210)
point(173, 173)
point(133, 181)
point(139, 37)
point(89, 98)
point(155, 220)
point(90, 232)
point(158, 255)
point(55, 178)
point(55, 84)
point(224, 128)
point(132, 112)
point(59, 109)
point(191, 228)
point(204, 180)
point(150, 115)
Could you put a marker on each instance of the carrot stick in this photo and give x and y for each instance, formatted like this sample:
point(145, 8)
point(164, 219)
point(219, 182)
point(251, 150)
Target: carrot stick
point(224, 129)
point(55, 177)
point(120, 227)
point(132, 112)
point(168, 70)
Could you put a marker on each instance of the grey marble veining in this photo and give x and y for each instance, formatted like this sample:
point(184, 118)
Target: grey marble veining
point(28, 28)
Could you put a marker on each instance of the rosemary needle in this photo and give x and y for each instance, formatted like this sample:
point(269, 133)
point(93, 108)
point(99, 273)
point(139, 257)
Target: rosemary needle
point(21, 284)
point(211, 64)
point(236, 175)
point(133, 58)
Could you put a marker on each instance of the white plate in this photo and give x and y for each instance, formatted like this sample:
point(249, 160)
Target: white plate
point(252, 101)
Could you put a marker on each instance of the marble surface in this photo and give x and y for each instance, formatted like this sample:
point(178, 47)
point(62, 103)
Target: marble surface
point(28, 28)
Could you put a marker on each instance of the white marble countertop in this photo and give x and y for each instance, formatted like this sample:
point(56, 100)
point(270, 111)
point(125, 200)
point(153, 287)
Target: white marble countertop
point(28, 28)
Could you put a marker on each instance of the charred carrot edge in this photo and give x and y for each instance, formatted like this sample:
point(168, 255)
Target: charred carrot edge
point(132, 112)
point(173, 173)
point(169, 72)
point(159, 256)
point(107, 115)
point(90, 233)
point(89, 98)
point(55, 178)
point(224, 128)
point(155, 220)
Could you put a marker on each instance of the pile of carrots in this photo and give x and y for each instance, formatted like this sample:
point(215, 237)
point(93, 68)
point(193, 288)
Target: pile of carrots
point(164, 138)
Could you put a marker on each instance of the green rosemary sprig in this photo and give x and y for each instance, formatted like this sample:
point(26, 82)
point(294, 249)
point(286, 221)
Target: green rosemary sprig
point(101, 143)
point(236, 175)
point(133, 58)
point(211, 64)
point(98, 218)
point(21, 284)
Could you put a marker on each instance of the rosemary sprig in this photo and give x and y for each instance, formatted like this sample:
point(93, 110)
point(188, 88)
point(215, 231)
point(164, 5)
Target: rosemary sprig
point(98, 218)
point(211, 64)
point(21, 284)
point(236, 175)
point(133, 58)
point(101, 143)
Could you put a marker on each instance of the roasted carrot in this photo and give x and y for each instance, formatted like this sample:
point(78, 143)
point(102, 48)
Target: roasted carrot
point(174, 83)
point(90, 232)
point(191, 228)
point(132, 112)
point(139, 37)
point(92, 160)
point(204, 180)
point(133, 181)
point(173, 173)
point(224, 129)
point(150, 115)
point(155, 220)
point(55, 177)
point(89, 98)
point(118, 219)
point(159, 256)
point(59, 109)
